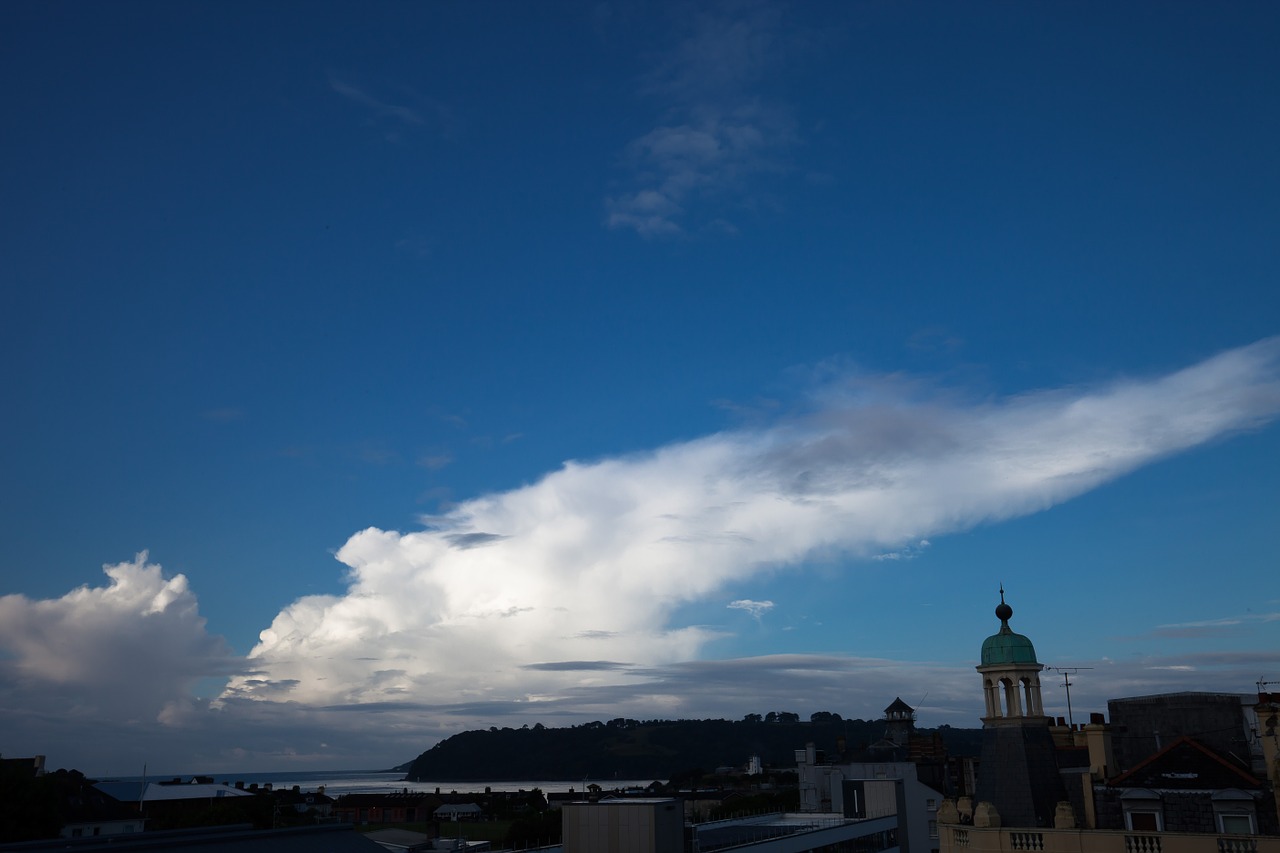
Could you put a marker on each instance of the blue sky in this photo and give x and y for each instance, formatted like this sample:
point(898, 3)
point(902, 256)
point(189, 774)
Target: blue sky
point(420, 367)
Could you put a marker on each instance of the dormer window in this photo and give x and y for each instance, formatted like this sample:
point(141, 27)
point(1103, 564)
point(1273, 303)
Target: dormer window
point(1234, 812)
point(1143, 810)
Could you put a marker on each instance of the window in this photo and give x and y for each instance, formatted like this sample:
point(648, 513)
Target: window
point(1233, 812)
point(1235, 823)
point(931, 804)
point(933, 829)
point(1143, 810)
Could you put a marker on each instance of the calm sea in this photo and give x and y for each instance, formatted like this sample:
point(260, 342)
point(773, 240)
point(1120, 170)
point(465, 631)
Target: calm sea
point(372, 781)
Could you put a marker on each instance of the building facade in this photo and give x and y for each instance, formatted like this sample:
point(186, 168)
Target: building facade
point(1176, 773)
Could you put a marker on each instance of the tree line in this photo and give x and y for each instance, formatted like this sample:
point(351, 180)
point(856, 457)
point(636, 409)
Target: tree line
point(628, 749)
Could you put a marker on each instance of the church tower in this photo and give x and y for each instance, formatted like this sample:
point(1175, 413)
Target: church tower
point(1018, 769)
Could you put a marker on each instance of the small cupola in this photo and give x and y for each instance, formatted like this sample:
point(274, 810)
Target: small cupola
point(1010, 674)
point(1005, 646)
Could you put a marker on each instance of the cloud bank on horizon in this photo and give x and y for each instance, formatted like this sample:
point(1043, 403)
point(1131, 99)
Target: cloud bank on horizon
point(561, 593)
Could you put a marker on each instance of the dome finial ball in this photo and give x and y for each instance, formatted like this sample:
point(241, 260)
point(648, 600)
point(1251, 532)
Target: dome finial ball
point(1003, 611)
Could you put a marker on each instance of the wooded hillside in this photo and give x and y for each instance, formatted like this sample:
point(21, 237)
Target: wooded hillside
point(649, 750)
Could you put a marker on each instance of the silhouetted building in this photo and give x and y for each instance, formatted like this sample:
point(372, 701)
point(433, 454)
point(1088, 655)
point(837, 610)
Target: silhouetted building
point(1174, 773)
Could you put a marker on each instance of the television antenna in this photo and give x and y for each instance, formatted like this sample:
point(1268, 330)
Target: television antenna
point(1068, 671)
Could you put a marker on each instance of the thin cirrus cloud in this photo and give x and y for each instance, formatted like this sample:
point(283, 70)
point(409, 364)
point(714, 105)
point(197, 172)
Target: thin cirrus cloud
point(559, 600)
point(717, 131)
point(378, 108)
point(394, 119)
point(1213, 627)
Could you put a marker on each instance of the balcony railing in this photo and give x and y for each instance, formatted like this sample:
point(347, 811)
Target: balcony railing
point(1026, 840)
point(1237, 844)
point(971, 839)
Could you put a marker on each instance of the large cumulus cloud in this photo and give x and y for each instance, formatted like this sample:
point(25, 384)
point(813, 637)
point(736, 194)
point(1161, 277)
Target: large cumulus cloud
point(561, 600)
point(101, 662)
point(591, 562)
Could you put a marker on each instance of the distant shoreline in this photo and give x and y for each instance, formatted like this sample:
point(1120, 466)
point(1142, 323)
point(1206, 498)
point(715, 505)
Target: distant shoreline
point(377, 781)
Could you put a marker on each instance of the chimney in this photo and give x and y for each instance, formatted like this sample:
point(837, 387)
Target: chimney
point(1098, 736)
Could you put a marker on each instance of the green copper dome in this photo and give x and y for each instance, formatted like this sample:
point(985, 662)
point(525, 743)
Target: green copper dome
point(1004, 646)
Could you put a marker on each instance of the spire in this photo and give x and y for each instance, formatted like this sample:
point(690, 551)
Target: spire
point(1003, 612)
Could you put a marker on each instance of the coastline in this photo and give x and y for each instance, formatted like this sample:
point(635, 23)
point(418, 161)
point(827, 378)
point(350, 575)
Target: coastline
point(379, 781)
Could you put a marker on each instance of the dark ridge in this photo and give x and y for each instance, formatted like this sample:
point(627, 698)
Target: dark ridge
point(653, 749)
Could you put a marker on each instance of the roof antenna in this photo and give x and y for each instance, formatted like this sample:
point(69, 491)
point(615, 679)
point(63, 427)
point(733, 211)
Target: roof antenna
point(1066, 683)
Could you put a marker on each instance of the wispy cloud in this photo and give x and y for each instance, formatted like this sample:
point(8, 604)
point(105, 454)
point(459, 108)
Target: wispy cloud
point(718, 130)
point(578, 666)
point(755, 608)
point(1212, 627)
point(379, 108)
point(394, 118)
point(909, 552)
point(435, 461)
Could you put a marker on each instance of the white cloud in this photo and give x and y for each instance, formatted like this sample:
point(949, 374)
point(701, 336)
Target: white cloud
point(592, 562)
point(559, 601)
point(134, 636)
point(909, 552)
point(755, 608)
point(123, 656)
